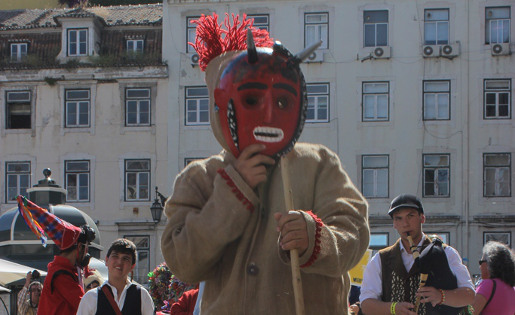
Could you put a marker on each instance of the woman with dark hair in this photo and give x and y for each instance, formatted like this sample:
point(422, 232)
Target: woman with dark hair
point(496, 293)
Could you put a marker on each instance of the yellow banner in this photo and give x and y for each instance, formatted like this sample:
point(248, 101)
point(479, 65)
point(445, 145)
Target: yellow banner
point(356, 273)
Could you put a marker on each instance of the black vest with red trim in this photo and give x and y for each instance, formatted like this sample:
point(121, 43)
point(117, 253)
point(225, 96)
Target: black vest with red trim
point(131, 306)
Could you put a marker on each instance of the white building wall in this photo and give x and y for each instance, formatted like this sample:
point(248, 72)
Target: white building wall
point(405, 136)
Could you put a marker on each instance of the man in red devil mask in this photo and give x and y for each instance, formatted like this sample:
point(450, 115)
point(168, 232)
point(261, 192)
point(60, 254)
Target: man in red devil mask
point(227, 220)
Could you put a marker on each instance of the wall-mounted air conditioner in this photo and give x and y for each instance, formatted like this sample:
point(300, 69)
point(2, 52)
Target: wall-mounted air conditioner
point(381, 52)
point(500, 49)
point(316, 56)
point(431, 51)
point(450, 50)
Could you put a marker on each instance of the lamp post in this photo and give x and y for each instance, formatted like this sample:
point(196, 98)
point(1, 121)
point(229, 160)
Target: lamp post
point(157, 207)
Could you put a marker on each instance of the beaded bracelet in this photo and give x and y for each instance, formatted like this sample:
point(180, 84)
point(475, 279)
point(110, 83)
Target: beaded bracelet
point(442, 298)
point(392, 308)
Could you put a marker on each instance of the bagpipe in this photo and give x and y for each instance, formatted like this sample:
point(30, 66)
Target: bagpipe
point(435, 272)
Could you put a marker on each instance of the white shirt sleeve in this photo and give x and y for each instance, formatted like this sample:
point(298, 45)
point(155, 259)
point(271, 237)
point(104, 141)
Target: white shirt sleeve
point(88, 303)
point(458, 268)
point(147, 304)
point(372, 286)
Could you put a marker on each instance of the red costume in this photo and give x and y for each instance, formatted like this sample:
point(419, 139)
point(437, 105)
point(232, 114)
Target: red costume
point(67, 292)
point(186, 303)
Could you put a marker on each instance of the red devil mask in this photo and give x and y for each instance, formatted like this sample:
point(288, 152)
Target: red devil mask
point(261, 98)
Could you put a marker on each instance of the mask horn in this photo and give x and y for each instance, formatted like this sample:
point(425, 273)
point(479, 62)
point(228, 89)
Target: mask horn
point(251, 48)
point(301, 56)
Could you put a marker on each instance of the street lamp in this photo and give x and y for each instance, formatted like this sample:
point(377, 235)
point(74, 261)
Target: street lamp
point(157, 207)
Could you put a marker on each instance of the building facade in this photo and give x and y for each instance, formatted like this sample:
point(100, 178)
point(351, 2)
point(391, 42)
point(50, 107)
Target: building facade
point(414, 96)
point(83, 92)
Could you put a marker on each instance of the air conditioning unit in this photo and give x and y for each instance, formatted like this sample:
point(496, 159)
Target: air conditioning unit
point(500, 49)
point(429, 51)
point(316, 56)
point(382, 52)
point(194, 59)
point(451, 50)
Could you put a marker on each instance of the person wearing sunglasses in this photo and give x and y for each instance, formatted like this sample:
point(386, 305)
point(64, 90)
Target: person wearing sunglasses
point(496, 293)
point(28, 297)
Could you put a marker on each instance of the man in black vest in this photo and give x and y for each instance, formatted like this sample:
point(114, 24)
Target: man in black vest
point(118, 295)
point(391, 279)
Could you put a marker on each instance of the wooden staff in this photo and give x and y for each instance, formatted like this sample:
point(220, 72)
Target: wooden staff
point(294, 253)
point(423, 276)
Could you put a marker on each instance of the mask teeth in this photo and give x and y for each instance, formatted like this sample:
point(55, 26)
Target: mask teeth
point(233, 126)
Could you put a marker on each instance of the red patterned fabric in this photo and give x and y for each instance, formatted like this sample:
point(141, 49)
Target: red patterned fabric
point(235, 190)
point(316, 249)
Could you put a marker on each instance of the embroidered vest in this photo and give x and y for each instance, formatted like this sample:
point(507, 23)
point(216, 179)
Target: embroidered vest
point(131, 306)
point(398, 284)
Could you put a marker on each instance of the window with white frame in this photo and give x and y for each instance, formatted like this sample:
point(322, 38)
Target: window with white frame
point(17, 177)
point(437, 100)
point(135, 46)
point(374, 176)
point(137, 180)
point(77, 180)
point(191, 33)
point(375, 25)
point(375, 101)
point(77, 108)
point(78, 42)
point(142, 267)
point(18, 51)
point(436, 175)
point(197, 105)
point(497, 99)
point(497, 24)
point(261, 21)
point(316, 28)
point(137, 107)
point(318, 102)
point(18, 110)
point(503, 237)
point(436, 26)
point(378, 240)
point(497, 174)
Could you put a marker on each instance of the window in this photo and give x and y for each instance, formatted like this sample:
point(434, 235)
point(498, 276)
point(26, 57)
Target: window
point(444, 236)
point(77, 180)
point(197, 106)
point(375, 28)
point(137, 107)
point(497, 25)
point(142, 267)
point(18, 180)
point(191, 32)
point(503, 237)
point(261, 21)
point(378, 241)
point(18, 110)
point(375, 176)
point(436, 175)
point(135, 46)
point(497, 175)
point(318, 102)
point(497, 99)
point(375, 101)
point(316, 27)
point(137, 180)
point(188, 160)
point(436, 26)
point(77, 42)
point(436, 100)
point(18, 51)
point(77, 108)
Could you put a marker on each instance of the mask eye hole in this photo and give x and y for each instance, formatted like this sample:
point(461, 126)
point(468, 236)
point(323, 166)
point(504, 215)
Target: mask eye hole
point(282, 103)
point(251, 100)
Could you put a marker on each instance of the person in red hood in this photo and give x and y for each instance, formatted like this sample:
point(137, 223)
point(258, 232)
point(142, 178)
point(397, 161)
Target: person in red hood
point(63, 287)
